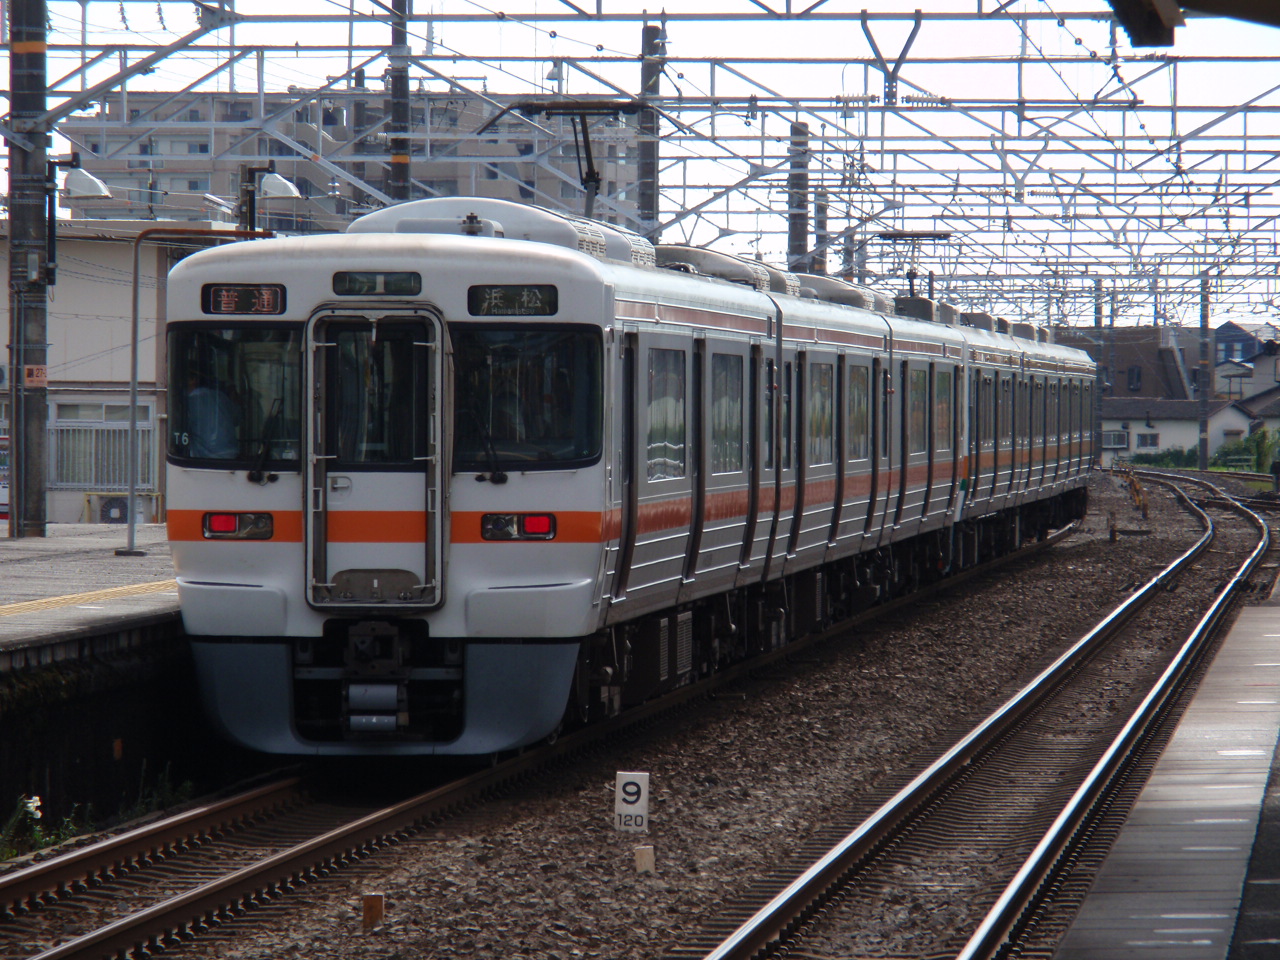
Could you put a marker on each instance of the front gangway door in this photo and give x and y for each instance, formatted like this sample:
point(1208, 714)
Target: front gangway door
point(374, 496)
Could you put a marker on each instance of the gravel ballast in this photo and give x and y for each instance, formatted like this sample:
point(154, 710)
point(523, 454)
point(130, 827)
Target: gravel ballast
point(737, 784)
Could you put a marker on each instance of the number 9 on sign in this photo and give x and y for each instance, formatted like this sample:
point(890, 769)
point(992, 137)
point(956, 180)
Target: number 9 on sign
point(631, 803)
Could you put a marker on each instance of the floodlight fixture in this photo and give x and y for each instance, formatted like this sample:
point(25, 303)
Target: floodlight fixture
point(274, 185)
point(82, 185)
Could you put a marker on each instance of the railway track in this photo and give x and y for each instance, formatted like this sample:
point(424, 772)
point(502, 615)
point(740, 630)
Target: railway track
point(136, 894)
point(995, 819)
point(140, 893)
point(66, 897)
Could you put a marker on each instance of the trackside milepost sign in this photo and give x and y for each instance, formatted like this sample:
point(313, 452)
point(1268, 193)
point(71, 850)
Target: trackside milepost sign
point(631, 803)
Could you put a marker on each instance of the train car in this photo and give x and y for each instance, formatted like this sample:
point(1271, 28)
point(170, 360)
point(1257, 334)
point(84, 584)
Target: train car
point(473, 470)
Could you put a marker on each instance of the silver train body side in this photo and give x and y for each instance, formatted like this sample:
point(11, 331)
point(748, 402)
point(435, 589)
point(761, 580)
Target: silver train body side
point(470, 469)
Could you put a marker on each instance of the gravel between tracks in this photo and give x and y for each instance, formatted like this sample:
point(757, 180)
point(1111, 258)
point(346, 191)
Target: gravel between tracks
point(734, 792)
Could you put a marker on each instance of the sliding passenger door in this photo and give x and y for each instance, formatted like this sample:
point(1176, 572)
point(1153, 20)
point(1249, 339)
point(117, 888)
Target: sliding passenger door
point(664, 471)
point(760, 468)
point(983, 428)
point(725, 491)
point(943, 384)
point(855, 515)
point(373, 512)
point(884, 480)
point(817, 455)
point(1038, 449)
point(914, 439)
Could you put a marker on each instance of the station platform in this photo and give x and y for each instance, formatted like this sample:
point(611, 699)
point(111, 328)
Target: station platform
point(70, 584)
point(1195, 871)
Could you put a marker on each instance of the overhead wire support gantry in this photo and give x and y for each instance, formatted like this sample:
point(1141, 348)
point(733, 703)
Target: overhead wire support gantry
point(1052, 153)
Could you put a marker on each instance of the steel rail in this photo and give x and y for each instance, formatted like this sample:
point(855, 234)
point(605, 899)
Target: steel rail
point(995, 932)
point(795, 902)
point(213, 902)
point(42, 882)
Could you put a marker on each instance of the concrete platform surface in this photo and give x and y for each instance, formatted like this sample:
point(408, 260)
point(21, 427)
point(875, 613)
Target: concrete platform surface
point(1172, 885)
point(71, 580)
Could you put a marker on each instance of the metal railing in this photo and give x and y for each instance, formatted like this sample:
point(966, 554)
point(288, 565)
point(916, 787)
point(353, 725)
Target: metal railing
point(95, 456)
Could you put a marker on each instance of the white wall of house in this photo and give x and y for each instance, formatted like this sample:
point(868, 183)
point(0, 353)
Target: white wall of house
point(1228, 423)
point(1264, 375)
point(89, 313)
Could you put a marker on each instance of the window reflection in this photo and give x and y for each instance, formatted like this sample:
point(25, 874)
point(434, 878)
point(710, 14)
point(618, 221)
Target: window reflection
point(528, 396)
point(235, 393)
point(666, 448)
point(377, 401)
point(726, 413)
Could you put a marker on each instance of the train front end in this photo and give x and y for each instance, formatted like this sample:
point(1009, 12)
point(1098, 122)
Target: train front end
point(383, 468)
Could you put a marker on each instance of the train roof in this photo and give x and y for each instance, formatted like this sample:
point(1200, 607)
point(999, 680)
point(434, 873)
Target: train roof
point(460, 232)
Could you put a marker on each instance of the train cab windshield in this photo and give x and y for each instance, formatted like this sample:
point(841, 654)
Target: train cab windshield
point(526, 396)
point(235, 394)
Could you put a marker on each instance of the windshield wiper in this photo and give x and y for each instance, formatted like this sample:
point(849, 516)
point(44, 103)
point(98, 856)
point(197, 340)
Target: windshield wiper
point(496, 473)
point(256, 475)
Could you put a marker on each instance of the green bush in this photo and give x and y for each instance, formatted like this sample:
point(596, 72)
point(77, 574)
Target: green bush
point(1254, 453)
point(1175, 457)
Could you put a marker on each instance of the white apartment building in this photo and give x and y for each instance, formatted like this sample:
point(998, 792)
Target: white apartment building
point(166, 155)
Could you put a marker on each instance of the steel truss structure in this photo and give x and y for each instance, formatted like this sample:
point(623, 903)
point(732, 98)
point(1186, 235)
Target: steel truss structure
point(1011, 157)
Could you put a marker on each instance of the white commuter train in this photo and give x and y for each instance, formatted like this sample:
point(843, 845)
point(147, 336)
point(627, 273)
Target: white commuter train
point(472, 469)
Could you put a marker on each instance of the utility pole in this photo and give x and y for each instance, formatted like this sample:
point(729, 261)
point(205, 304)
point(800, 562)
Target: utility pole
point(398, 81)
point(652, 50)
point(28, 262)
point(1205, 380)
point(798, 200)
point(821, 235)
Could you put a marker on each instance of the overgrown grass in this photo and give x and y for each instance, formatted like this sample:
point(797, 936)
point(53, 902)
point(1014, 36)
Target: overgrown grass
point(158, 796)
point(25, 830)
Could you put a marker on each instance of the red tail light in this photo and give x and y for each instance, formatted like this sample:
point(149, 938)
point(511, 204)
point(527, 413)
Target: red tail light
point(221, 522)
point(238, 526)
point(518, 526)
point(538, 525)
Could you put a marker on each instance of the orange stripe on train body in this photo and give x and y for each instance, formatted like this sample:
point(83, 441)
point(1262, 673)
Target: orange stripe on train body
point(188, 525)
point(726, 505)
point(572, 526)
point(376, 526)
point(342, 526)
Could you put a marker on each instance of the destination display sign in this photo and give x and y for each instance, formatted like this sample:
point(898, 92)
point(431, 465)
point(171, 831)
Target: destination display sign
point(242, 298)
point(513, 300)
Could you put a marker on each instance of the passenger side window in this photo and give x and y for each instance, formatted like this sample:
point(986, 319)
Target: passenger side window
point(822, 436)
point(769, 408)
point(787, 383)
point(918, 410)
point(985, 418)
point(1037, 411)
point(859, 413)
point(666, 445)
point(1006, 412)
point(1054, 426)
point(726, 413)
point(942, 405)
